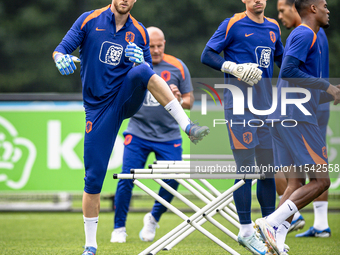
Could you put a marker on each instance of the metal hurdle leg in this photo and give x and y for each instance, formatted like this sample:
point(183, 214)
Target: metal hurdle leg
point(227, 210)
point(190, 229)
point(220, 210)
point(216, 192)
point(182, 167)
point(194, 207)
point(163, 166)
point(187, 220)
point(206, 197)
point(192, 220)
point(208, 209)
point(173, 164)
point(207, 201)
point(206, 214)
point(187, 230)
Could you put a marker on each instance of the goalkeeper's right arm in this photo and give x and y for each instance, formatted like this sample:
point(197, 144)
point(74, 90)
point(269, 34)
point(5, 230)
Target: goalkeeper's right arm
point(248, 72)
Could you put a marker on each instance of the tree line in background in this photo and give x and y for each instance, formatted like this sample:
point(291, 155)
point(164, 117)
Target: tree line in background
point(30, 31)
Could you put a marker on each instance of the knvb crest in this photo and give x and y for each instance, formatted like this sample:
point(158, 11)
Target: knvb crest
point(88, 128)
point(263, 55)
point(111, 53)
point(324, 152)
point(166, 75)
point(272, 36)
point(247, 137)
point(128, 139)
point(129, 37)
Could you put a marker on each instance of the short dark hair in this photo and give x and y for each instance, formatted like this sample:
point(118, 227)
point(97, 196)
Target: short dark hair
point(290, 2)
point(301, 5)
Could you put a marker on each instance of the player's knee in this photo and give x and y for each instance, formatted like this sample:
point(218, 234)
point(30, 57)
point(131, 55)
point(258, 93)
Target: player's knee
point(325, 183)
point(248, 182)
point(320, 185)
point(94, 182)
point(140, 74)
point(92, 187)
point(125, 185)
point(294, 184)
point(172, 183)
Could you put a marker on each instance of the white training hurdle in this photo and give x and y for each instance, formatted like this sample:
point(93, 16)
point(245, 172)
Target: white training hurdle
point(215, 201)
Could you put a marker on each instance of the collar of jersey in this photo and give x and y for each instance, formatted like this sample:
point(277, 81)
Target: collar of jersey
point(112, 15)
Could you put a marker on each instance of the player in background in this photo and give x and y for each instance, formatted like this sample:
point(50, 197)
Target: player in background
point(291, 19)
point(116, 73)
point(250, 42)
point(152, 129)
point(300, 148)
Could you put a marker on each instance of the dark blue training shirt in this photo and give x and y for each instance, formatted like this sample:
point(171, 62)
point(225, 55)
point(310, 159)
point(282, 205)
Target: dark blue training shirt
point(245, 41)
point(302, 44)
point(103, 62)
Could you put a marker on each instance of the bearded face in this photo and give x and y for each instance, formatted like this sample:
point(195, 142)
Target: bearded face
point(123, 6)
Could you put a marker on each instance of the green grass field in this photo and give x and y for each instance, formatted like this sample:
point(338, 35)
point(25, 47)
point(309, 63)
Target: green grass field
point(62, 233)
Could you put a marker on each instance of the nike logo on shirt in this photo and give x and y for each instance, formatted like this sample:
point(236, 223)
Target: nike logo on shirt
point(246, 35)
point(100, 29)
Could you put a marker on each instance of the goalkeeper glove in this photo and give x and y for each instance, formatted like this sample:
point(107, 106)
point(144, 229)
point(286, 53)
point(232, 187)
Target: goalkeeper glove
point(65, 63)
point(134, 53)
point(248, 72)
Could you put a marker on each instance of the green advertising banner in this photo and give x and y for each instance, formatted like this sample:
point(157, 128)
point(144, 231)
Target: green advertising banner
point(41, 148)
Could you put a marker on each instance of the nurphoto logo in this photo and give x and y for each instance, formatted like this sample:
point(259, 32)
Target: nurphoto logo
point(238, 106)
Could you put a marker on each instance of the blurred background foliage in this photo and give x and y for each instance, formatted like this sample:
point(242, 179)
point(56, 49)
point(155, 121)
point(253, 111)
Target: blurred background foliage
point(31, 29)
